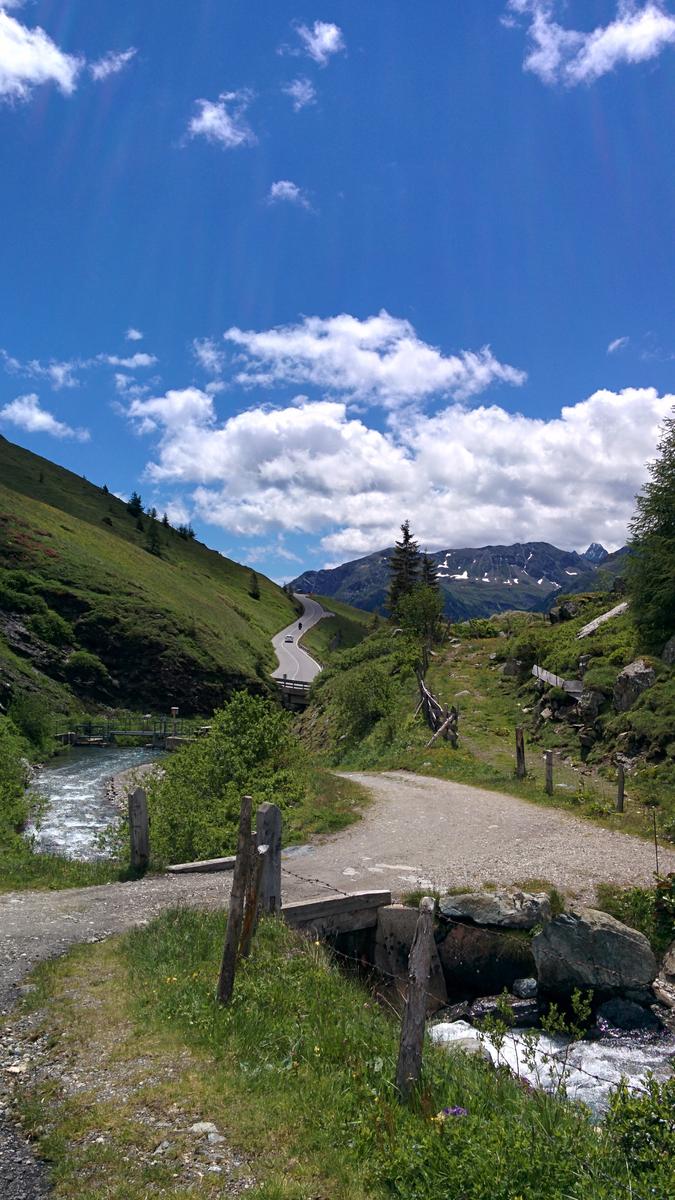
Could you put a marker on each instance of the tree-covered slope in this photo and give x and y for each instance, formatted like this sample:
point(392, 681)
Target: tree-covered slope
point(88, 611)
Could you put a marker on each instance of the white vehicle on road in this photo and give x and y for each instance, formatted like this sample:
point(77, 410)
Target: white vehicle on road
point(288, 638)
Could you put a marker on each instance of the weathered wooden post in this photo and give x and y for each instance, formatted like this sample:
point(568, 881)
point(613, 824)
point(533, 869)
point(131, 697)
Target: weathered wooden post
point(268, 833)
point(548, 758)
point(139, 830)
point(412, 1028)
point(251, 908)
point(236, 909)
point(521, 770)
point(620, 787)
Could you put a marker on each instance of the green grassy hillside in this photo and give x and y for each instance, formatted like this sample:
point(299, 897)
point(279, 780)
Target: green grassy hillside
point(90, 615)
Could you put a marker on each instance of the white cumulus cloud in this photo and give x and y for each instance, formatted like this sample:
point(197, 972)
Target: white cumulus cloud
point(301, 91)
point(285, 191)
point(210, 357)
point(140, 359)
point(224, 120)
point(111, 63)
point(380, 359)
point(26, 413)
point(133, 335)
point(558, 55)
point(321, 41)
point(464, 476)
point(29, 57)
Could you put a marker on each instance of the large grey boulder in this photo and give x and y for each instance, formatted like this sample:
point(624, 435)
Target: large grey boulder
point(587, 949)
point(631, 683)
point(589, 704)
point(482, 962)
point(668, 964)
point(505, 910)
point(396, 924)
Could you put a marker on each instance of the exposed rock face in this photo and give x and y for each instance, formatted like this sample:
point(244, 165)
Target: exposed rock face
point(668, 653)
point(564, 612)
point(589, 705)
point(395, 931)
point(479, 962)
point(506, 910)
point(631, 683)
point(511, 668)
point(523, 1012)
point(588, 949)
point(624, 1014)
point(668, 964)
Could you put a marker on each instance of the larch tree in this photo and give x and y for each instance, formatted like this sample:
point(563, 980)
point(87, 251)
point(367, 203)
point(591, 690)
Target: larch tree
point(404, 568)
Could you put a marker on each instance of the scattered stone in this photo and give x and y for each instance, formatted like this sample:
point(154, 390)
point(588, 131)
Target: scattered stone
point(589, 704)
point(511, 668)
point(161, 1149)
point(506, 910)
point(203, 1127)
point(216, 1138)
point(668, 964)
point(524, 1012)
point(525, 989)
point(457, 1012)
point(627, 1016)
point(585, 948)
point(563, 612)
point(631, 683)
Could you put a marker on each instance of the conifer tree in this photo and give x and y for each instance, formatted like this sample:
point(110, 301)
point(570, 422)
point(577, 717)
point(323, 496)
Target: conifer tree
point(135, 505)
point(253, 586)
point(429, 572)
point(651, 572)
point(404, 567)
point(153, 544)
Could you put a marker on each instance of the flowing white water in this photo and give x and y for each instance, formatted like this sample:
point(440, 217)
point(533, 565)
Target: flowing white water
point(79, 806)
point(591, 1070)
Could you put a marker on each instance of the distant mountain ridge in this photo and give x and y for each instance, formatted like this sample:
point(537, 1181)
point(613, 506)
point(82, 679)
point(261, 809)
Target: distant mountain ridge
point(476, 581)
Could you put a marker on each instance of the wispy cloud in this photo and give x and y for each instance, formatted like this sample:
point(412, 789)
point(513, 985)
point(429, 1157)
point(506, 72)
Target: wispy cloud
point(111, 63)
point(558, 55)
point(284, 191)
point(379, 360)
point(59, 374)
point(617, 344)
point(129, 364)
point(209, 356)
point(26, 413)
point(29, 57)
point(224, 120)
point(302, 93)
point(320, 42)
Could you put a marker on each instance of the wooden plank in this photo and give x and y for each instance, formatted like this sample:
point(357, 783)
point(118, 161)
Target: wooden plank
point(521, 770)
point(204, 866)
point(336, 914)
point(236, 907)
point(409, 1065)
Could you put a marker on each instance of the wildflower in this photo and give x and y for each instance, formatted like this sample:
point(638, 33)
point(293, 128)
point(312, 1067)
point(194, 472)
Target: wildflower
point(455, 1111)
point(317, 1049)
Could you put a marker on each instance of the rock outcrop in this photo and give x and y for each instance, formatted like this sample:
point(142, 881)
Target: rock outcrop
point(482, 962)
point(505, 910)
point(630, 683)
point(588, 949)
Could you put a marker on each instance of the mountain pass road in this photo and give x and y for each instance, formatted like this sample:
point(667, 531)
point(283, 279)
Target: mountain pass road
point(294, 662)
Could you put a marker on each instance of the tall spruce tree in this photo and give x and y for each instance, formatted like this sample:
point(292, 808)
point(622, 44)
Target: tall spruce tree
point(404, 568)
point(429, 572)
point(651, 572)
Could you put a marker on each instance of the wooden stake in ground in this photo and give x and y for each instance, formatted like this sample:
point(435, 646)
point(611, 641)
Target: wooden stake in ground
point(236, 909)
point(548, 759)
point(139, 830)
point(412, 1027)
point(521, 771)
point(251, 908)
point(268, 833)
point(620, 787)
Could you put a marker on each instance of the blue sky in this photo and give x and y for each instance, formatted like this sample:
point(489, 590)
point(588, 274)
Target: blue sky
point(377, 254)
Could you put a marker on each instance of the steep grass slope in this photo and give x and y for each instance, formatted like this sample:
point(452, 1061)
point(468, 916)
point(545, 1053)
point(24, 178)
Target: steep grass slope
point(87, 610)
point(345, 628)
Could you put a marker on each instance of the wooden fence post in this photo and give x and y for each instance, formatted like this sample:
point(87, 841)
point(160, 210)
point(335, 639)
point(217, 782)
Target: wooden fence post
point(139, 830)
point(250, 924)
point(520, 753)
point(620, 787)
point(548, 757)
point(414, 1014)
point(236, 909)
point(268, 833)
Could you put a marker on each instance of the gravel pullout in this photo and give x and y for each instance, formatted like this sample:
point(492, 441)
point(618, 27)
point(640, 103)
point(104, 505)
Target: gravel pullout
point(419, 832)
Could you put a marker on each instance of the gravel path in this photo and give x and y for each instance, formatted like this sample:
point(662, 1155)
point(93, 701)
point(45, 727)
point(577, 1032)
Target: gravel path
point(419, 832)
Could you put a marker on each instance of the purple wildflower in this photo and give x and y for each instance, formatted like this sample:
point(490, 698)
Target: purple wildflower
point(455, 1111)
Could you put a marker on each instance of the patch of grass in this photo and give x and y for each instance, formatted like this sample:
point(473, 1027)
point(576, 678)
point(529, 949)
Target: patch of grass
point(640, 908)
point(297, 1072)
point(21, 869)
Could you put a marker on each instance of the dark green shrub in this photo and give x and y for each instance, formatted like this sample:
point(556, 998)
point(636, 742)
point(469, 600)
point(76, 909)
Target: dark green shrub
point(51, 628)
point(31, 715)
point(87, 670)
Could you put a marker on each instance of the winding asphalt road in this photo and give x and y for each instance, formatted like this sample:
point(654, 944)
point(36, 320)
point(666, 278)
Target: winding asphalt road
point(294, 662)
